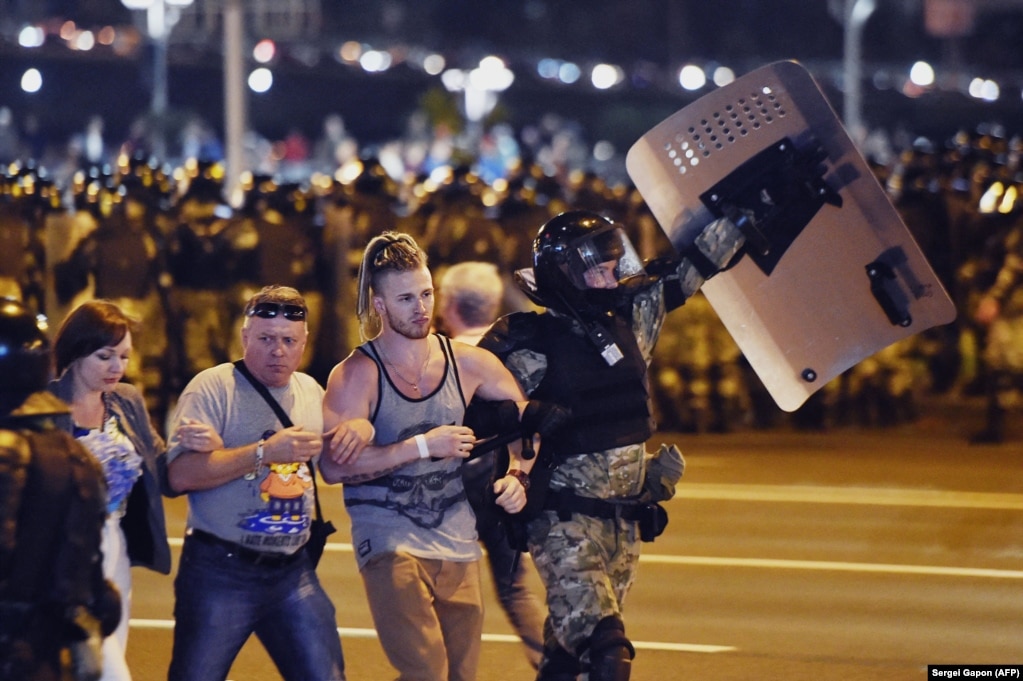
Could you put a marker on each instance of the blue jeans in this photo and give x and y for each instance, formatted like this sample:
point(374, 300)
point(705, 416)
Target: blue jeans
point(220, 600)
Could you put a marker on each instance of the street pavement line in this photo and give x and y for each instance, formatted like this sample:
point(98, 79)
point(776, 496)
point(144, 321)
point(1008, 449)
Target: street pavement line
point(851, 495)
point(833, 565)
point(775, 563)
point(644, 645)
point(352, 632)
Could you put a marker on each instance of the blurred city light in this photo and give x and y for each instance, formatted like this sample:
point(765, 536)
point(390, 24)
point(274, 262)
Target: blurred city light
point(434, 64)
point(989, 201)
point(264, 51)
point(261, 80)
point(31, 36)
point(350, 51)
point(453, 80)
point(723, 76)
point(922, 74)
point(569, 72)
point(375, 61)
point(897, 68)
point(106, 35)
point(83, 41)
point(479, 85)
point(67, 31)
point(1008, 203)
point(31, 81)
point(603, 151)
point(692, 77)
point(547, 68)
point(605, 76)
point(986, 89)
point(161, 17)
point(566, 72)
point(492, 75)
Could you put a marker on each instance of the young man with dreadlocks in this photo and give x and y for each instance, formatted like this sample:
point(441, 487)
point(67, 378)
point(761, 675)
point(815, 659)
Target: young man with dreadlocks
point(395, 414)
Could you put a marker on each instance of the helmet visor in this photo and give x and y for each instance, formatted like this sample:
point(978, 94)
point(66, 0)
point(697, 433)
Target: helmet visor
point(602, 259)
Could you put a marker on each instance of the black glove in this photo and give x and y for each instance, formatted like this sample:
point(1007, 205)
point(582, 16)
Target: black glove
point(487, 418)
point(543, 418)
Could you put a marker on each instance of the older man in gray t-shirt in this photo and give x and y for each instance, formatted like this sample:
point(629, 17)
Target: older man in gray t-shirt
point(243, 566)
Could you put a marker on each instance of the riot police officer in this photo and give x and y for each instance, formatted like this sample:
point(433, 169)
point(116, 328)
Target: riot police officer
point(594, 487)
point(55, 606)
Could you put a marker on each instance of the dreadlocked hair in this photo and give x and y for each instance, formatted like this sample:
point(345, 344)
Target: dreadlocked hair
point(387, 252)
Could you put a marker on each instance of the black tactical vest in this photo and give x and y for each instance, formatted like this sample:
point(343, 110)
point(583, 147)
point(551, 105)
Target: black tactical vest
point(610, 404)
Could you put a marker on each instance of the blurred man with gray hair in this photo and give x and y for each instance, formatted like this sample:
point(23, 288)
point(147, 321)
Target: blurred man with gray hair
point(470, 296)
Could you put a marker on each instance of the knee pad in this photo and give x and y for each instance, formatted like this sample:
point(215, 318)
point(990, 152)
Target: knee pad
point(611, 652)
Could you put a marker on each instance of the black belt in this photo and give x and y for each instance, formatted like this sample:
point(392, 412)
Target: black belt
point(244, 554)
point(566, 503)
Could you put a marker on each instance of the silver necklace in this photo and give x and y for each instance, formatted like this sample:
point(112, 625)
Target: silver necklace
point(412, 384)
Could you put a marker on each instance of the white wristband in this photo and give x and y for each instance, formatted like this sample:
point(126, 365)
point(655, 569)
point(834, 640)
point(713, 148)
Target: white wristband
point(424, 451)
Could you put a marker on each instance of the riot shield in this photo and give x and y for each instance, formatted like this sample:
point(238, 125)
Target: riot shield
point(828, 274)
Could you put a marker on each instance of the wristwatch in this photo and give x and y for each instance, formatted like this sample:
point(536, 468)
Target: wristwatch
point(520, 475)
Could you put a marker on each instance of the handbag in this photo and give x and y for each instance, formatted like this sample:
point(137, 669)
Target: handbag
point(319, 527)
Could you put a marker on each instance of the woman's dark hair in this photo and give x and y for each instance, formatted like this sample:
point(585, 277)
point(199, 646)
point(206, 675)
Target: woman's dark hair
point(90, 326)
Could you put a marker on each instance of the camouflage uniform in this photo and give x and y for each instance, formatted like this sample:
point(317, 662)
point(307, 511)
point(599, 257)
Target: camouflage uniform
point(286, 252)
point(881, 390)
point(121, 258)
point(587, 563)
point(206, 254)
point(1003, 349)
point(697, 374)
point(25, 202)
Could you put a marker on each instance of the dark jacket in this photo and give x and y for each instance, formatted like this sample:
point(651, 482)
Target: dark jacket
point(144, 525)
point(53, 596)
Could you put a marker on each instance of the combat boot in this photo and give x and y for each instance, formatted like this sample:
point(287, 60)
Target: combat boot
point(610, 652)
point(994, 432)
point(994, 429)
point(558, 665)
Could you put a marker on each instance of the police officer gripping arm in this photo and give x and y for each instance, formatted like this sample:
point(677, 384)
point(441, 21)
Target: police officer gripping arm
point(594, 486)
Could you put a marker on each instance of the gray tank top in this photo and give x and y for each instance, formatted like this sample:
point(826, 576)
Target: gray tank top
point(420, 509)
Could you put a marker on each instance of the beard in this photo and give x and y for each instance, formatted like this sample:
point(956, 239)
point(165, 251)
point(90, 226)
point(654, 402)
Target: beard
point(407, 329)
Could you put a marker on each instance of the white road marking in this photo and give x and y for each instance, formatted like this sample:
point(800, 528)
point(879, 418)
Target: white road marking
point(845, 495)
point(871, 496)
point(765, 493)
point(829, 495)
point(352, 632)
point(890, 568)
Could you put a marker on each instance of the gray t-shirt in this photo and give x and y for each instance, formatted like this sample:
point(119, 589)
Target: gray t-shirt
point(272, 512)
point(421, 508)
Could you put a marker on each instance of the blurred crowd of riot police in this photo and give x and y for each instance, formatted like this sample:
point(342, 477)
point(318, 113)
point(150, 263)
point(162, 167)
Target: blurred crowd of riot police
point(166, 245)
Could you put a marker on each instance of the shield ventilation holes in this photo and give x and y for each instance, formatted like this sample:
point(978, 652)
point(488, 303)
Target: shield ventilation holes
point(726, 126)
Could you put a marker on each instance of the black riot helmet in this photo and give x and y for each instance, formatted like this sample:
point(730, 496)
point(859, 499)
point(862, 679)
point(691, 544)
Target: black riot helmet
point(566, 251)
point(24, 354)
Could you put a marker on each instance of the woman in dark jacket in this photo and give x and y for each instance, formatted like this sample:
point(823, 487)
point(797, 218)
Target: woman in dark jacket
point(91, 351)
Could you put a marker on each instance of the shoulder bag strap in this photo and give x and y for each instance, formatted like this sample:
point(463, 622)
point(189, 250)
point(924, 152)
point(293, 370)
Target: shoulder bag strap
point(282, 416)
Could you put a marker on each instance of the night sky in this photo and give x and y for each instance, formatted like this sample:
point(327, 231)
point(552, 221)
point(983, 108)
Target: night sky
point(648, 38)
